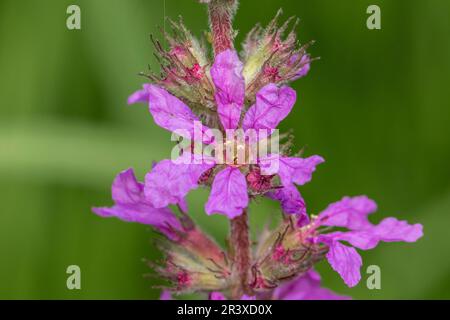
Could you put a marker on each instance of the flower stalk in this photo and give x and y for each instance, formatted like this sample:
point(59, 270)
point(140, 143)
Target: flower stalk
point(221, 14)
point(240, 247)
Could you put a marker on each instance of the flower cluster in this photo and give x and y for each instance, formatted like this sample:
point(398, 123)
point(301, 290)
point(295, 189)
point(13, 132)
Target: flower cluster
point(197, 96)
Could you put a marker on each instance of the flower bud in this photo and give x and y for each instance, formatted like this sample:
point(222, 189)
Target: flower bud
point(272, 58)
point(284, 254)
point(257, 182)
point(194, 263)
point(185, 67)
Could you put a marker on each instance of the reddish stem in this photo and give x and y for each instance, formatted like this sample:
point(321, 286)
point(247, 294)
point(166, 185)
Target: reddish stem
point(240, 245)
point(221, 15)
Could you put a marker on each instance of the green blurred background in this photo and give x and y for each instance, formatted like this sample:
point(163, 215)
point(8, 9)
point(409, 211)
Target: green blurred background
point(376, 107)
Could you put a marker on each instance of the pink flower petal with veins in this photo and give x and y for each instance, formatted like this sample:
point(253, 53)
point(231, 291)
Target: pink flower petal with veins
point(272, 105)
point(350, 212)
point(291, 170)
point(226, 74)
point(228, 193)
point(344, 260)
point(171, 113)
point(132, 206)
point(170, 181)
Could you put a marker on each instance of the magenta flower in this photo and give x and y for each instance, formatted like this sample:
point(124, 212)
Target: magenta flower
point(352, 213)
point(299, 244)
point(169, 182)
point(131, 205)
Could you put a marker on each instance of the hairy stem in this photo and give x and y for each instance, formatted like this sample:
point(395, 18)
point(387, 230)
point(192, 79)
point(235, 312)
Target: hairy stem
point(240, 246)
point(221, 14)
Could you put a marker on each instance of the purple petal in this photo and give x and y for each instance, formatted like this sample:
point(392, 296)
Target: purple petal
point(389, 230)
point(165, 295)
point(140, 96)
point(228, 194)
point(219, 296)
point(131, 206)
point(344, 260)
point(393, 230)
point(183, 205)
point(361, 239)
point(272, 105)
point(349, 212)
point(126, 189)
point(170, 181)
point(162, 219)
point(216, 296)
point(291, 202)
point(171, 113)
point(304, 69)
point(226, 74)
point(306, 287)
point(290, 170)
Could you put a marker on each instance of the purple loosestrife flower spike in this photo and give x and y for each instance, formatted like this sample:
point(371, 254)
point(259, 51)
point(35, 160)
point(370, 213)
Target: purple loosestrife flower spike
point(206, 96)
